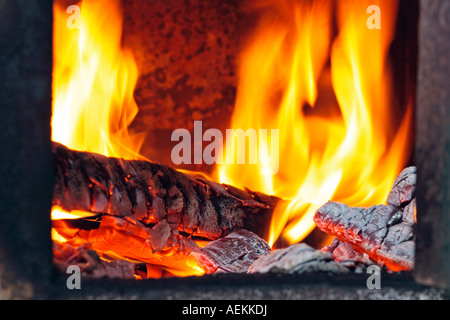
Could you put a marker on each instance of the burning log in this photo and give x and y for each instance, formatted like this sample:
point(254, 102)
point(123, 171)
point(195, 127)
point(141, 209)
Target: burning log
point(153, 193)
point(296, 259)
point(385, 232)
point(117, 238)
point(234, 253)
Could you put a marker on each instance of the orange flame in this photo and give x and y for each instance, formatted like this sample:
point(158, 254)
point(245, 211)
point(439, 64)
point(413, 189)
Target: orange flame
point(93, 82)
point(343, 148)
point(93, 106)
point(329, 96)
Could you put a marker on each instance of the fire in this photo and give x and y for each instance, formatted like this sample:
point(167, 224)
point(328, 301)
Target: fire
point(93, 106)
point(327, 92)
point(93, 82)
point(348, 148)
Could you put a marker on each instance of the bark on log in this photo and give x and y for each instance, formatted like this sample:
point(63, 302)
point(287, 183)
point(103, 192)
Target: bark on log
point(153, 192)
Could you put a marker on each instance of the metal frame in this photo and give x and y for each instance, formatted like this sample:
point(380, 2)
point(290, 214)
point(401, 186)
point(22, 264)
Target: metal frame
point(26, 269)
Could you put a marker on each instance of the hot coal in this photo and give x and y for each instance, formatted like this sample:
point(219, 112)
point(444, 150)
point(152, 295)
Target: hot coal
point(234, 253)
point(149, 214)
point(344, 254)
point(126, 238)
point(296, 259)
point(89, 262)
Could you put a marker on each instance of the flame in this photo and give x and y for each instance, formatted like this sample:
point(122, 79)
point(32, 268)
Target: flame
point(61, 214)
point(93, 107)
point(93, 82)
point(348, 148)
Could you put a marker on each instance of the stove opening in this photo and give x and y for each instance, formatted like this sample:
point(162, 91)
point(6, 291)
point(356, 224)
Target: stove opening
point(240, 137)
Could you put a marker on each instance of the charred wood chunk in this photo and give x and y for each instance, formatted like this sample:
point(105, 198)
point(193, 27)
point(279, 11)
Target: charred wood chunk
point(89, 262)
point(404, 188)
point(384, 232)
point(296, 259)
point(233, 253)
point(346, 255)
point(409, 213)
point(153, 192)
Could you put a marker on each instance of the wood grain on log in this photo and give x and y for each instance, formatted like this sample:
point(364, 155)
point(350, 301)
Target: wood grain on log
point(153, 192)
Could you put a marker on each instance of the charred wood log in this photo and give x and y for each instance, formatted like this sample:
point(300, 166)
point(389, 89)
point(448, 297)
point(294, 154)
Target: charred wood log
point(152, 193)
point(378, 231)
point(385, 232)
point(117, 238)
point(234, 253)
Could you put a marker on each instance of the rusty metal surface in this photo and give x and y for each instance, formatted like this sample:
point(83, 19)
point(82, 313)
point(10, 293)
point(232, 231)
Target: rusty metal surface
point(186, 54)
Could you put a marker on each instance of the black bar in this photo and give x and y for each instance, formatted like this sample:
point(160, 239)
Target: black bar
point(26, 163)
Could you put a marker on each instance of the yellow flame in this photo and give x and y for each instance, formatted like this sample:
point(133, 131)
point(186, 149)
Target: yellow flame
point(61, 214)
point(93, 82)
point(93, 106)
point(346, 148)
point(342, 146)
point(57, 237)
